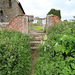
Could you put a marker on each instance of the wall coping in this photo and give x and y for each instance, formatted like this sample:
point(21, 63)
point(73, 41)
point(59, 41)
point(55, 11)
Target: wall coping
point(53, 15)
point(3, 24)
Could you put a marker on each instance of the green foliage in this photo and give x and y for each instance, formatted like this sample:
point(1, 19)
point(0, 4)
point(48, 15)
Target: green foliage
point(55, 12)
point(39, 21)
point(57, 53)
point(14, 53)
point(35, 24)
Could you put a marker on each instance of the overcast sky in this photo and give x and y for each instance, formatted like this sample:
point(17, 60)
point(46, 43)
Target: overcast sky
point(40, 8)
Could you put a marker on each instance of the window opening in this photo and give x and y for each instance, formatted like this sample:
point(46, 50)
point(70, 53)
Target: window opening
point(10, 3)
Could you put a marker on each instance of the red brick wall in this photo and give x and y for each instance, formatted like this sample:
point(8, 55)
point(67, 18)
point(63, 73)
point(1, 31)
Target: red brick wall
point(54, 19)
point(16, 23)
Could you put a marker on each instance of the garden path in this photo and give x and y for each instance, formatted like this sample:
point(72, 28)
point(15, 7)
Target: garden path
point(35, 40)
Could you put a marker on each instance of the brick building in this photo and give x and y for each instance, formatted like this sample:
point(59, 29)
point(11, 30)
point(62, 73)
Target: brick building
point(10, 9)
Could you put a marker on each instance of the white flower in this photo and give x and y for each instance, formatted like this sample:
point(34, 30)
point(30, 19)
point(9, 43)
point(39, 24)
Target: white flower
point(48, 45)
point(45, 38)
point(45, 49)
point(64, 35)
point(56, 44)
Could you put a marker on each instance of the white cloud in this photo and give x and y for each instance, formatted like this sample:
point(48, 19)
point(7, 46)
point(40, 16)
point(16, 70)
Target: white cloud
point(41, 7)
point(70, 2)
point(67, 14)
point(71, 13)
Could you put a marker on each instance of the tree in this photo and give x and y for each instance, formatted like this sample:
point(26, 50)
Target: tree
point(55, 12)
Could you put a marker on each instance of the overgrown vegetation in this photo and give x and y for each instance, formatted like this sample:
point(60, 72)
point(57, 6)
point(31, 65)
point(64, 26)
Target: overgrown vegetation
point(15, 55)
point(55, 12)
point(35, 24)
point(57, 53)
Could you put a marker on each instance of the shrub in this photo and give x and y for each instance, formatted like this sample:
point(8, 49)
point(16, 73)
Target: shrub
point(14, 53)
point(57, 54)
point(55, 12)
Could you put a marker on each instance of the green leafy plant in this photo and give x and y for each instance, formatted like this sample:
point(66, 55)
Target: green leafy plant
point(15, 55)
point(57, 54)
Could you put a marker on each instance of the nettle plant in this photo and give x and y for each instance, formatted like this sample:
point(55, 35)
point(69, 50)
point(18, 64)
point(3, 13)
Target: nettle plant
point(64, 54)
point(15, 55)
point(57, 53)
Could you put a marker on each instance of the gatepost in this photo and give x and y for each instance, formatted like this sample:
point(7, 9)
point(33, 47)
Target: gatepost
point(48, 21)
point(25, 25)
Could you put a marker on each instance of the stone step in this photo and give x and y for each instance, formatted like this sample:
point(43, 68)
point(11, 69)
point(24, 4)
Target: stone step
point(35, 42)
point(38, 34)
point(36, 38)
point(33, 45)
point(33, 48)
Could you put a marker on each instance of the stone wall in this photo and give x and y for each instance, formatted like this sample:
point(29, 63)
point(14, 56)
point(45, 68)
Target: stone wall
point(10, 12)
point(3, 24)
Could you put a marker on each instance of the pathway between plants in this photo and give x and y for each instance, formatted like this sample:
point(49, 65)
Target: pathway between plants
point(35, 40)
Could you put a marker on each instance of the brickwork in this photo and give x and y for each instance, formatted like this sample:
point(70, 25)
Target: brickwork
point(54, 19)
point(51, 20)
point(18, 23)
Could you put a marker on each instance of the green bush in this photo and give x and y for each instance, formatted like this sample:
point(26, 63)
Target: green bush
point(14, 53)
point(55, 12)
point(57, 54)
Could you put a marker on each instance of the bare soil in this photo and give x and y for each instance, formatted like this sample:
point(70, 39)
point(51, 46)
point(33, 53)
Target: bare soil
point(34, 58)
